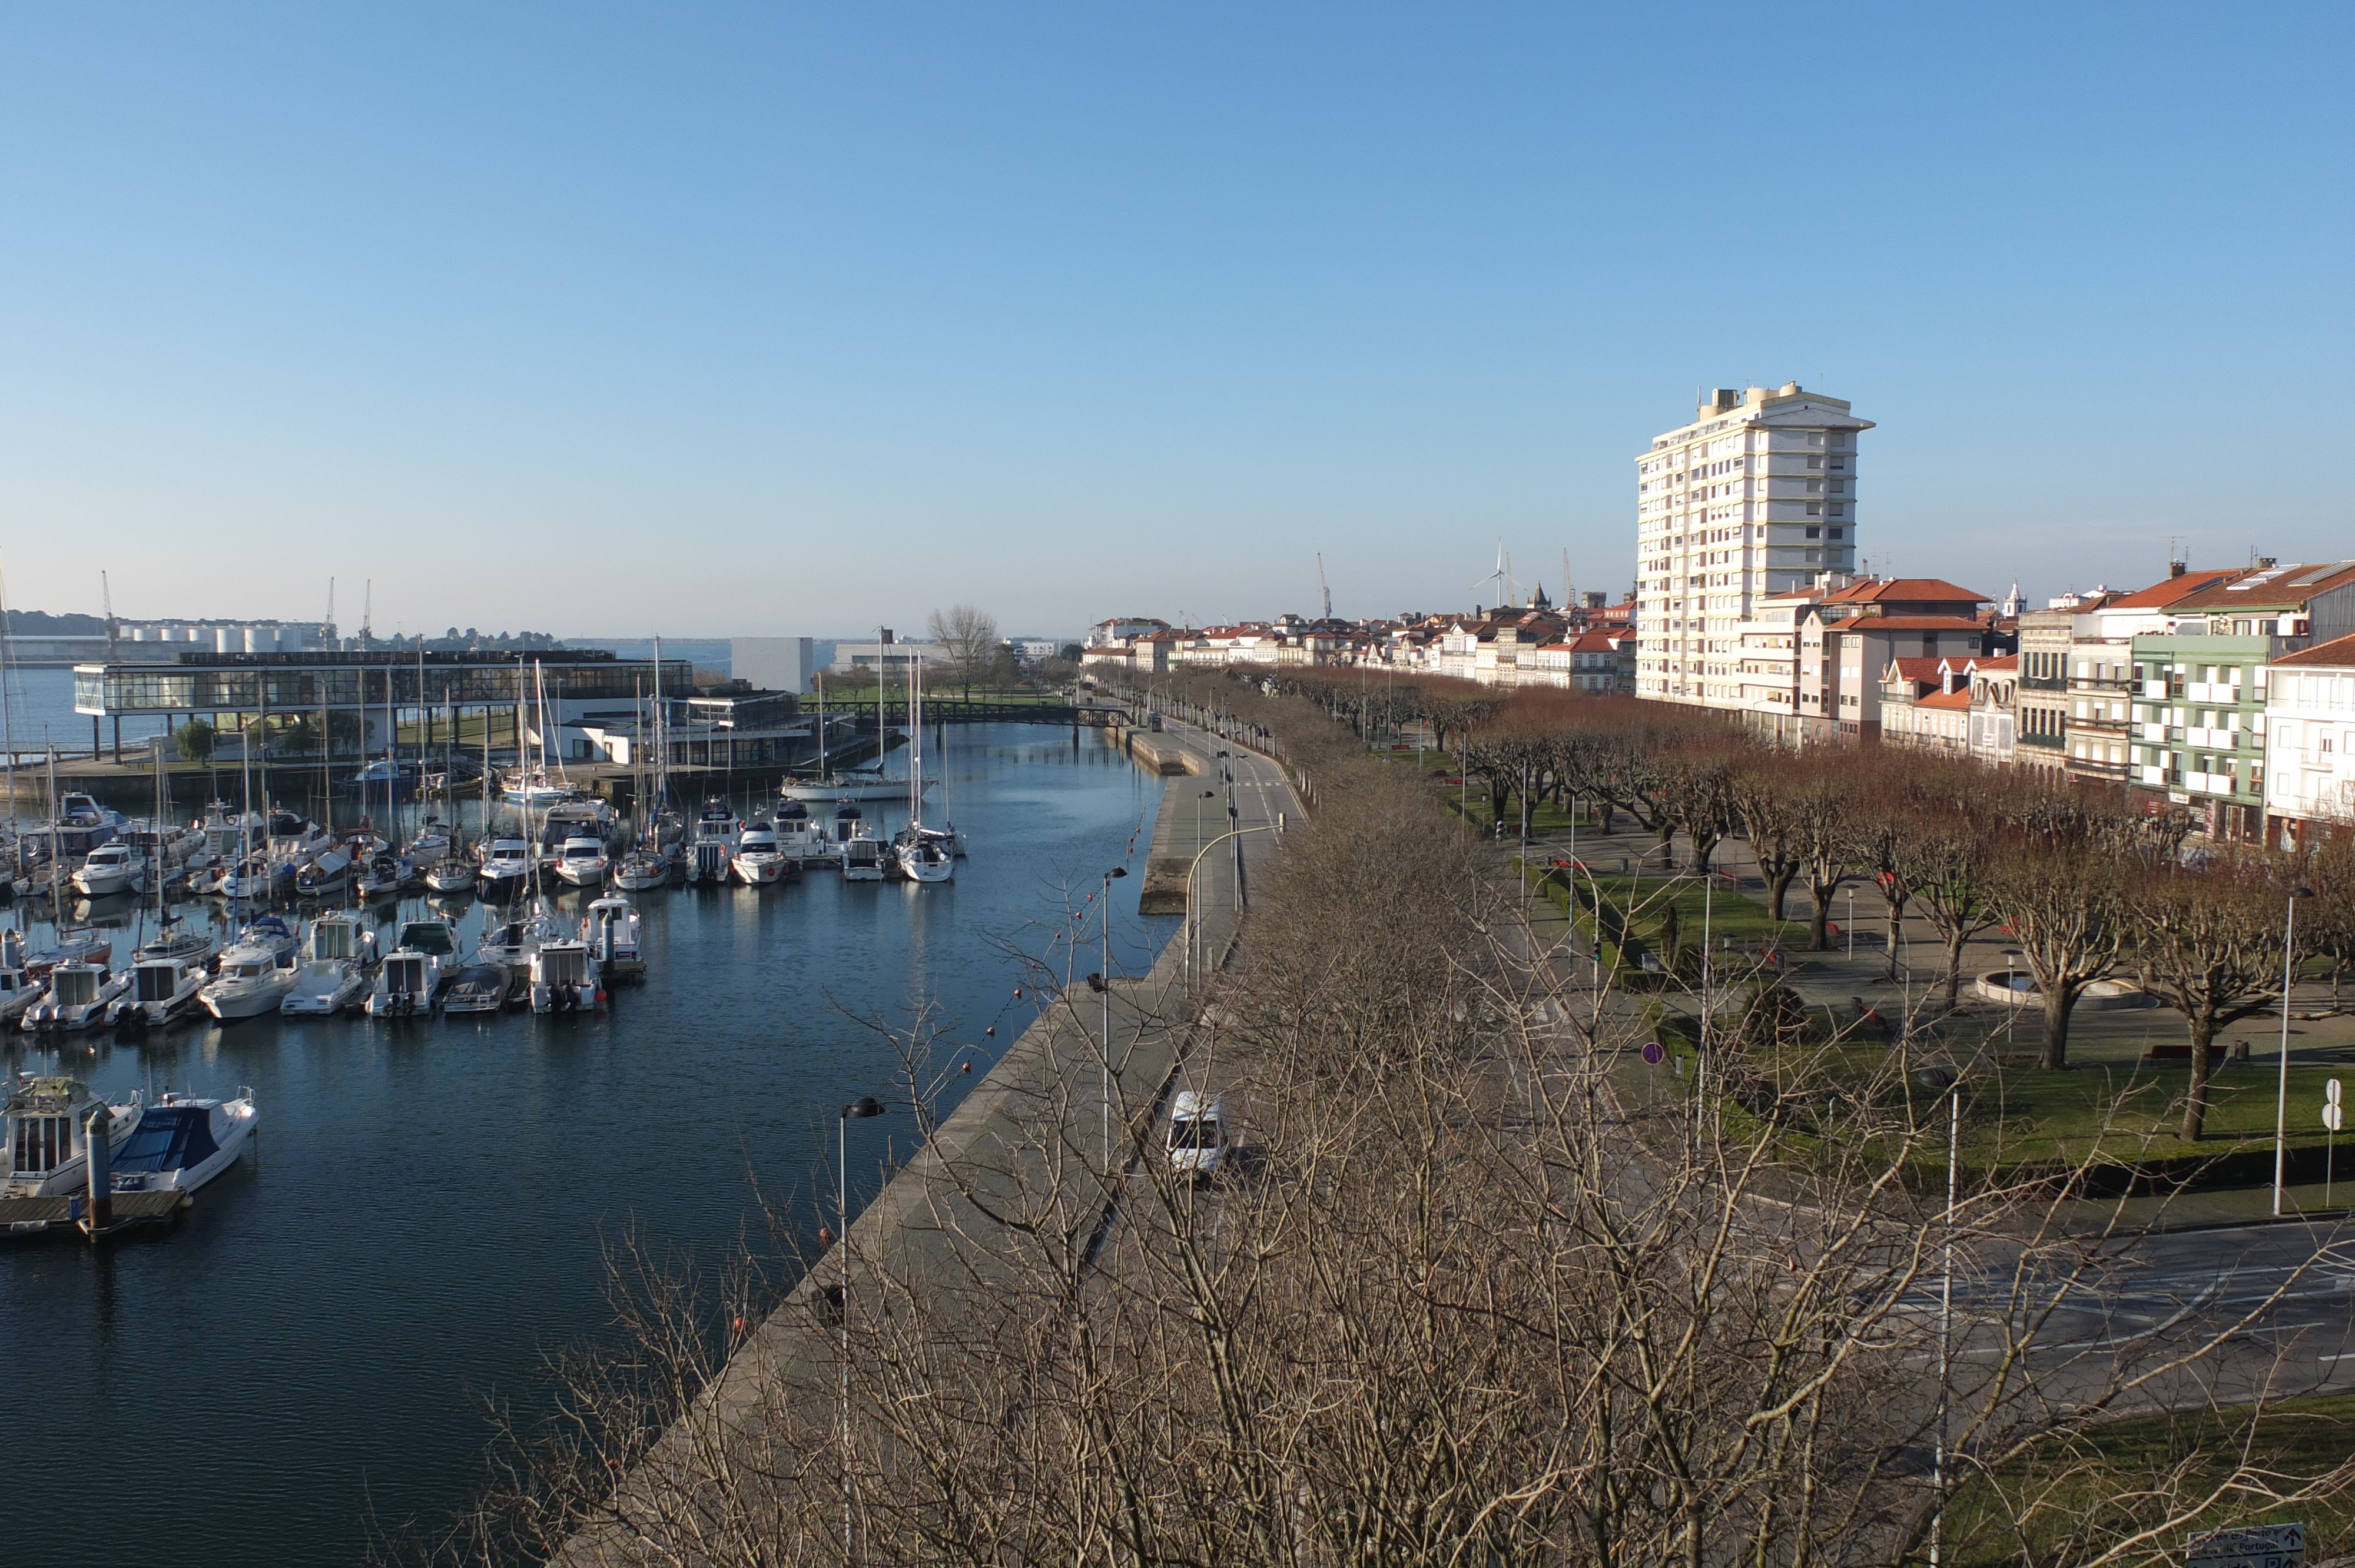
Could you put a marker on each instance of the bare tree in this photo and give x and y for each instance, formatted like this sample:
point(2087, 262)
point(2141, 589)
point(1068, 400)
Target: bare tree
point(2058, 899)
point(2211, 944)
point(969, 637)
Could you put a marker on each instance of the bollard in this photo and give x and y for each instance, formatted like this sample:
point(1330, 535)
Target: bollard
point(99, 1161)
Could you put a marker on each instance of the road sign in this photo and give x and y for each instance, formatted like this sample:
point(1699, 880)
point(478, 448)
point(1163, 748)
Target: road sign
point(2331, 1091)
point(1653, 1053)
point(2251, 1546)
point(2332, 1118)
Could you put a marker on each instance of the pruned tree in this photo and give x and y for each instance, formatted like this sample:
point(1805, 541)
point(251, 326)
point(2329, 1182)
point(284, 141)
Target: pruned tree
point(1767, 803)
point(2210, 943)
point(2058, 897)
point(1825, 847)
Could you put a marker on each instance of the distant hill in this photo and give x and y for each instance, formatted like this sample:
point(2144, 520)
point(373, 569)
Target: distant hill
point(41, 623)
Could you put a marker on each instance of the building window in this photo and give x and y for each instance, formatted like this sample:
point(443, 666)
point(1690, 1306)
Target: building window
point(1835, 534)
point(1814, 533)
point(1814, 509)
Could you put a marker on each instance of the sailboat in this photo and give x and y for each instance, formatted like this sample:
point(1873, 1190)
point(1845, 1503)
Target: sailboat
point(854, 783)
point(922, 855)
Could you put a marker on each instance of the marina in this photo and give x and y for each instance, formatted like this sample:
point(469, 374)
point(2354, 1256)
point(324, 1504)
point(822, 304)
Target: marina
point(427, 1208)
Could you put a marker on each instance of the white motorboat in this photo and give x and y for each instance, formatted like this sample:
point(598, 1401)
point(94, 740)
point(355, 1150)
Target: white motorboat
point(452, 873)
point(479, 988)
point(181, 1142)
point(79, 996)
point(18, 991)
point(611, 929)
point(506, 866)
point(322, 988)
point(800, 837)
point(641, 869)
point(758, 862)
point(111, 868)
point(44, 1141)
point(256, 973)
point(161, 990)
point(713, 847)
point(82, 824)
point(564, 978)
point(582, 861)
point(407, 983)
point(335, 975)
point(863, 860)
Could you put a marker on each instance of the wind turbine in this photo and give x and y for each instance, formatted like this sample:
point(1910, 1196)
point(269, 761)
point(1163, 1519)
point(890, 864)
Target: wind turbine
point(1495, 579)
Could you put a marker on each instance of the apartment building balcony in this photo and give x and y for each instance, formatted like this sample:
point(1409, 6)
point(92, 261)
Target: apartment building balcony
point(2044, 683)
point(2048, 742)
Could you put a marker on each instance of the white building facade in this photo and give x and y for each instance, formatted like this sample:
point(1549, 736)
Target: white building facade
point(1754, 498)
point(2310, 745)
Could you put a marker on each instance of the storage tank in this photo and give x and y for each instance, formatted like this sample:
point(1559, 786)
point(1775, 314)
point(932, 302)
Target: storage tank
point(227, 641)
point(261, 639)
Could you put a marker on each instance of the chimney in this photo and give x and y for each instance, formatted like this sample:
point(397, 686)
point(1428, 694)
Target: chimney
point(2177, 568)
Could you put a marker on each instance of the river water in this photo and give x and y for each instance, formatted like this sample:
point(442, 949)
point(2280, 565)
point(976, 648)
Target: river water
point(426, 1211)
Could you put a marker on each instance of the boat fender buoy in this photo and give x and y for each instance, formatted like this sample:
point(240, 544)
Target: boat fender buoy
point(991, 1032)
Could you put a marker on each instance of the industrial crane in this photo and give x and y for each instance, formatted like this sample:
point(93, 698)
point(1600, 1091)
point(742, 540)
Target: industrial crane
point(1321, 588)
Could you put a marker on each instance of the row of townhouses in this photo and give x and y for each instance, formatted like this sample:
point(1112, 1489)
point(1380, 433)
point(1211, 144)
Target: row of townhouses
point(2230, 690)
point(1591, 648)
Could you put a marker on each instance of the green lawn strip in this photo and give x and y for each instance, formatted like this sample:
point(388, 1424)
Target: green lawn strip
point(1639, 914)
point(2130, 1111)
point(2108, 1473)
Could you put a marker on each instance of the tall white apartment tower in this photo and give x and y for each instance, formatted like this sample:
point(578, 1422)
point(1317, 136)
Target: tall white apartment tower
point(1755, 497)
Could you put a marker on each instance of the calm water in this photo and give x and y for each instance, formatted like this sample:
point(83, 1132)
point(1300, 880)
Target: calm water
point(426, 1210)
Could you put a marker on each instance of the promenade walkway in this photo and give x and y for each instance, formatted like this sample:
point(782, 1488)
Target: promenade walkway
point(1023, 1174)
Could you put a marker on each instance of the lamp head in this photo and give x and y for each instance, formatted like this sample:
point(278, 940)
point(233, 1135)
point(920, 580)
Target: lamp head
point(2301, 893)
point(863, 1106)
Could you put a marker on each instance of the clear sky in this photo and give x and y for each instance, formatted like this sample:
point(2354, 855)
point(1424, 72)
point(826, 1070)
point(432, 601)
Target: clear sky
point(710, 319)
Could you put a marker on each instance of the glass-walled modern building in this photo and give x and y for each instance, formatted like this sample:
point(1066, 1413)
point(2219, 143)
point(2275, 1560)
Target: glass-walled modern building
point(231, 689)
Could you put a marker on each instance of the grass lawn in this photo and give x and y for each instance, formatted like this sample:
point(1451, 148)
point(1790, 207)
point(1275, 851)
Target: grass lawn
point(2131, 1110)
point(2109, 1471)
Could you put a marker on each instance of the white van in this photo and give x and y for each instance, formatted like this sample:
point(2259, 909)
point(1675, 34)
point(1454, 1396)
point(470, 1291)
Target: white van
point(1196, 1141)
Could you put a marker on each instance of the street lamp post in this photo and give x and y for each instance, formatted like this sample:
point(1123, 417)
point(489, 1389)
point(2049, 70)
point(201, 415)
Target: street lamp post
point(863, 1106)
point(2010, 993)
point(2281, 1104)
point(1193, 925)
point(1852, 922)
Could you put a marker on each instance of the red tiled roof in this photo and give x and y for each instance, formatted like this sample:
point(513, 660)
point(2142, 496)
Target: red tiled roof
point(1905, 590)
point(1907, 624)
point(2282, 586)
point(1999, 665)
point(2166, 593)
point(1959, 702)
point(2339, 652)
point(1918, 668)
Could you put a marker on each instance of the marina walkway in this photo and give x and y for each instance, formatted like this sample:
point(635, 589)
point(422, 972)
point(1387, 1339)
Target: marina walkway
point(1015, 1181)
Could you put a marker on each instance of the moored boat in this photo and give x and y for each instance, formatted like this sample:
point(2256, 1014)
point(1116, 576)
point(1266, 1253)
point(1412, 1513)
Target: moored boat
point(79, 996)
point(758, 862)
point(43, 1141)
point(181, 1142)
point(611, 929)
point(564, 978)
point(110, 868)
point(161, 990)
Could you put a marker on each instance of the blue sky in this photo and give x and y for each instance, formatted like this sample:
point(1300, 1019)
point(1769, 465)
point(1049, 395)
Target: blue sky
point(709, 320)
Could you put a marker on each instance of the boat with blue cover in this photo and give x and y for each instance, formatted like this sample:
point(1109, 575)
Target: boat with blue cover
point(181, 1143)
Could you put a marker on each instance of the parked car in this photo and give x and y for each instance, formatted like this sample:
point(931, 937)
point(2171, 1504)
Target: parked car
point(1196, 1141)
